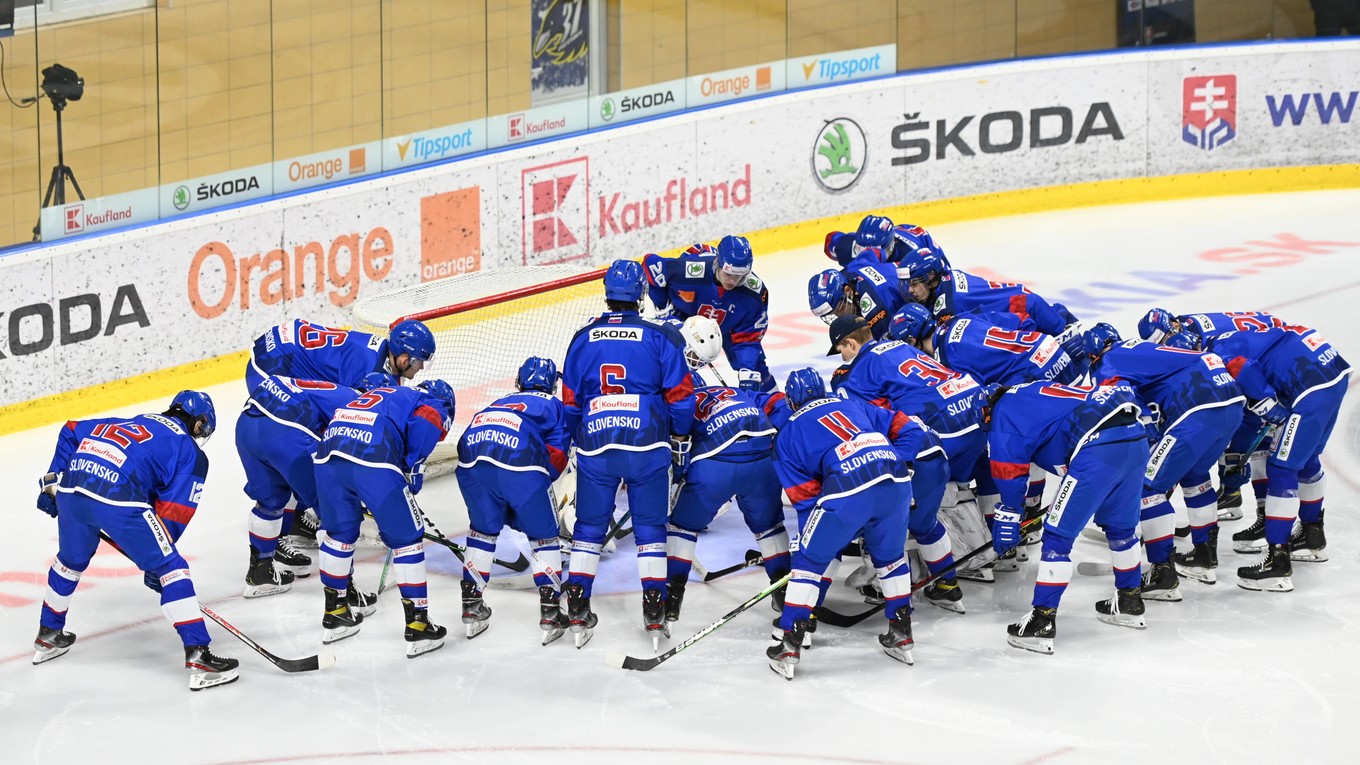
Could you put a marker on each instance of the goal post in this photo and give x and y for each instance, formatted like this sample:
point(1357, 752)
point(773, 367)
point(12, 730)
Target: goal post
point(485, 324)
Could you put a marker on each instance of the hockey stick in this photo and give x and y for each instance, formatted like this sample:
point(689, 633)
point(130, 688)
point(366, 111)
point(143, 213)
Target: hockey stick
point(382, 580)
point(835, 619)
point(618, 524)
point(1246, 455)
point(642, 665)
point(305, 664)
point(516, 582)
point(752, 558)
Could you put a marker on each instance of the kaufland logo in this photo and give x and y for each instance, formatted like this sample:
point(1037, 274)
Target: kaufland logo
point(1209, 110)
point(556, 211)
point(75, 219)
point(520, 128)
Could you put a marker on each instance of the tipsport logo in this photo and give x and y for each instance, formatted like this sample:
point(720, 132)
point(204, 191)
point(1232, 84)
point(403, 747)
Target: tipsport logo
point(1209, 110)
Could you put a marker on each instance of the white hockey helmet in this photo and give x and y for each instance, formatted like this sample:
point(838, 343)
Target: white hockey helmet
point(703, 340)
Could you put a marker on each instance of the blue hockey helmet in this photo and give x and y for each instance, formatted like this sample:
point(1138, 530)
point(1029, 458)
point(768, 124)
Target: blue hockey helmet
point(412, 338)
point(378, 380)
point(195, 409)
point(804, 385)
point(734, 256)
point(911, 323)
point(623, 281)
point(826, 292)
point(1185, 339)
point(921, 265)
point(439, 391)
point(1157, 325)
point(1096, 340)
point(875, 231)
point(537, 374)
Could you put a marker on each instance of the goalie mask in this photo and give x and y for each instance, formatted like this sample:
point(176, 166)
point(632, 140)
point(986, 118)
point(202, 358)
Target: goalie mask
point(703, 341)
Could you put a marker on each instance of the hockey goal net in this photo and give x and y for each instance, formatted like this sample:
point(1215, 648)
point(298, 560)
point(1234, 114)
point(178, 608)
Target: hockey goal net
point(485, 324)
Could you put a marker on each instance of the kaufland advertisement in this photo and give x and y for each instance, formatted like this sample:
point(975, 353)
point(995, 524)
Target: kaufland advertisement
point(90, 311)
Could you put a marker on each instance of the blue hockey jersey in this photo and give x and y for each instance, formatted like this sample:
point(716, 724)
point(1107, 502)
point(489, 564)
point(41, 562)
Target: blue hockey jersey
point(392, 428)
point(892, 374)
point(1176, 381)
point(737, 424)
point(306, 351)
point(960, 292)
point(688, 283)
point(835, 447)
point(303, 404)
point(878, 290)
point(1207, 324)
point(525, 431)
point(840, 246)
point(1279, 363)
point(625, 384)
point(976, 346)
point(148, 463)
point(1048, 424)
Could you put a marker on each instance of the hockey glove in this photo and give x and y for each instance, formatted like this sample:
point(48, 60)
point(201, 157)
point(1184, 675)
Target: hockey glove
point(1005, 529)
point(416, 479)
point(1272, 412)
point(151, 581)
point(679, 457)
point(748, 379)
point(47, 493)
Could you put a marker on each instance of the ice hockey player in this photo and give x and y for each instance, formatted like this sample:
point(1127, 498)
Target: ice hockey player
point(627, 392)
point(276, 437)
point(508, 458)
point(867, 287)
point(893, 242)
point(373, 455)
point(1193, 407)
point(305, 351)
point(731, 455)
point(138, 481)
point(718, 283)
point(976, 345)
point(1096, 435)
point(1294, 381)
point(846, 467)
point(894, 375)
point(1160, 325)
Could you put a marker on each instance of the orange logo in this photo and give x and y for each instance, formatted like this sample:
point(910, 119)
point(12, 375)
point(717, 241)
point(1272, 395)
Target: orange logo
point(357, 160)
point(763, 78)
point(450, 234)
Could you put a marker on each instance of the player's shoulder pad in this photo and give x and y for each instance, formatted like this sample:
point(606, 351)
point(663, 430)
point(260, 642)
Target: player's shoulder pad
point(753, 284)
point(690, 265)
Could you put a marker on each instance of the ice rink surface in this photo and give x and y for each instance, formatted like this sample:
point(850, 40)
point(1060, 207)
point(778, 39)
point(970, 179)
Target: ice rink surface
point(1226, 676)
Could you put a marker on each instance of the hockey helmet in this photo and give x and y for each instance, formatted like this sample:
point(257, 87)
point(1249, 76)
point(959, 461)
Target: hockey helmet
point(439, 391)
point(623, 281)
point(734, 256)
point(826, 292)
point(1098, 339)
point(195, 409)
point(412, 338)
point(1185, 340)
point(911, 323)
point(703, 340)
point(875, 231)
point(537, 373)
point(804, 385)
point(378, 380)
point(921, 265)
point(1157, 325)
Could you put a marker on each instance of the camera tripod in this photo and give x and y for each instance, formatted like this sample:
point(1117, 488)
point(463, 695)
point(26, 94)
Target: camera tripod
point(56, 187)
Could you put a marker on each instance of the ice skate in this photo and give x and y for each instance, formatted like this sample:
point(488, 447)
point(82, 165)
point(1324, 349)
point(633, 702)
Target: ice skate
point(784, 654)
point(1309, 543)
point(1007, 562)
point(476, 612)
point(339, 622)
point(422, 635)
point(872, 594)
point(1199, 564)
point(207, 670)
point(1270, 575)
point(287, 557)
point(985, 574)
point(1160, 582)
point(362, 603)
point(778, 632)
point(1125, 609)
point(897, 642)
point(654, 616)
point(1252, 539)
point(263, 579)
point(1229, 503)
point(579, 616)
point(777, 597)
point(675, 597)
point(1035, 630)
point(305, 527)
point(945, 594)
point(51, 643)
point(550, 617)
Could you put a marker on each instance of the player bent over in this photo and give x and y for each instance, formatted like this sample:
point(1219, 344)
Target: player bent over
point(1197, 406)
point(373, 455)
point(846, 467)
point(1294, 381)
point(508, 458)
point(276, 437)
point(730, 454)
point(626, 389)
point(1096, 436)
point(139, 482)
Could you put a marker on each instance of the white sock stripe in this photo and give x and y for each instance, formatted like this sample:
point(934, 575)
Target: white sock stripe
point(1156, 528)
point(896, 587)
point(651, 567)
point(1195, 491)
point(1054, 572)
point(1205, 515)
point(264, 527)
point(772, 531)
point(773, 545)
point(1125, 559)
point(584, 562)
point(1313, 491)
point(62, 571)
point(802, 592)
point(680, 547)
point(410, 572)
point(181, 610)
point(57, 602)
point(936, 550)
point(1282, 507)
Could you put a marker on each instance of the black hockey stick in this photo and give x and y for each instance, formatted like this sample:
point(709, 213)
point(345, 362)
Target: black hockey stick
point(642, 665)
point(305, 664)
point(615, 531)
point(835, 619)
point(753, 558)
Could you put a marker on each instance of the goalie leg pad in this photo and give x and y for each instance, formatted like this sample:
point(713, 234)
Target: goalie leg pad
point(966, 528)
